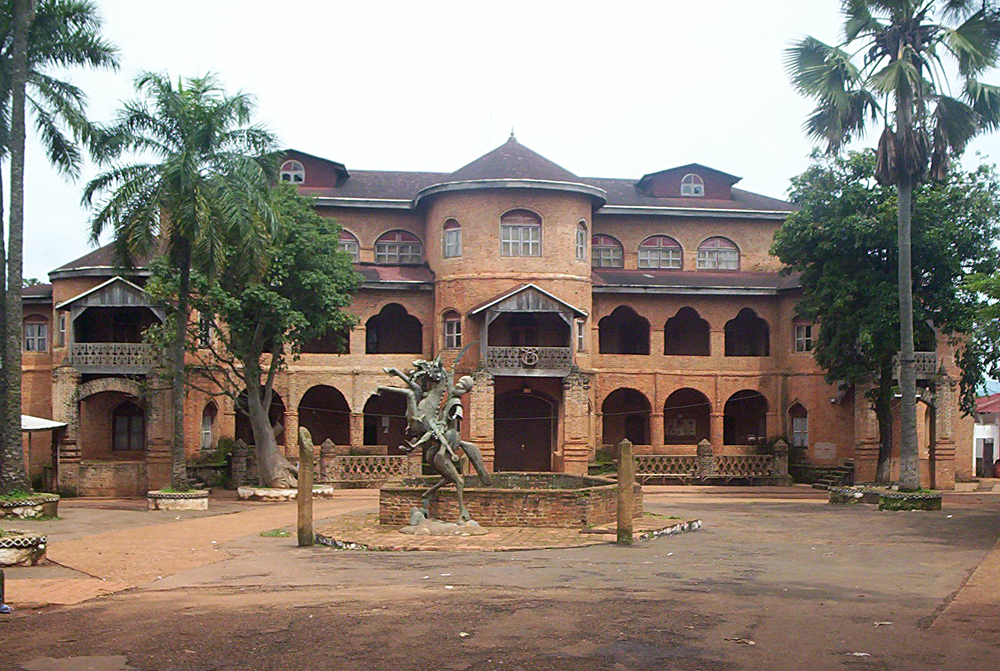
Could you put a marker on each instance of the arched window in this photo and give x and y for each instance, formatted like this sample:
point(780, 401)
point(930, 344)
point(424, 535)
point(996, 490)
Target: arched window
point(398, 247)
point(452, 239)
point(747, 335)
point(128, 427)
point(692, 185)
point(624, 331)
point(660, 251)
point(803, 337)
point(452, 330)
point(293, 172)
point(520, 233)
point(686, 334)
point(36, 334)
point(718, 254)
point(606, 252)
point(581, 241)
point(348, 244)
point(393, 331)
point(626, 414)
point(800, 425)
point(208, 426)
point(744, 419)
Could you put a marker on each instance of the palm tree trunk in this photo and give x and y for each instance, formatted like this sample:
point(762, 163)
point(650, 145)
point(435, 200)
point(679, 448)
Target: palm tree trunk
point(178, 457)
point(13, 476)
point(3, 320)
point(909, 471)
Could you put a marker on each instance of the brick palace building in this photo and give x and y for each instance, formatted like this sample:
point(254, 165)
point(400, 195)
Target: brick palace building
point(598, 309)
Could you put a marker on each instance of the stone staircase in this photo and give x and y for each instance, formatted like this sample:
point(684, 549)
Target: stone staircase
point(837, 476)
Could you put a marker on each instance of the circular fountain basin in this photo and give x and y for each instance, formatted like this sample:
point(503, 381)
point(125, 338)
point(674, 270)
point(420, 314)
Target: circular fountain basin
point(513, 500)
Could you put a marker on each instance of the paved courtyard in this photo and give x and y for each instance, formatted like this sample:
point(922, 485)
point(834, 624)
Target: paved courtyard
point(777, 579)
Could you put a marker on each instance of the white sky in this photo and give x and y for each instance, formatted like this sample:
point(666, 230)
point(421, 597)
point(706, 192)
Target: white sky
point(605, 89)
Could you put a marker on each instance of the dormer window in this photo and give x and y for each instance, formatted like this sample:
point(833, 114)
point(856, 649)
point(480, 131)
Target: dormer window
point(398, 247)
point(692, 185)
point(292, 172)
point(348, 244)
point(606, 252)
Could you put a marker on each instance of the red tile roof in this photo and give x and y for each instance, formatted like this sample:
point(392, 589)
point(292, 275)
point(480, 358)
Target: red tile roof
point(989, 403)
point(618, 277)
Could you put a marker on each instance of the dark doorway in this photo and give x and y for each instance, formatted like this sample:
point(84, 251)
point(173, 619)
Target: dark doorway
point(745, 419)
point(747, 335)
point(686, 418)
point(324, 411)
point(393, 331)
point(385, 421)
point(626, 415)
point(523, 429)
point(623, 332)
point(686, 334)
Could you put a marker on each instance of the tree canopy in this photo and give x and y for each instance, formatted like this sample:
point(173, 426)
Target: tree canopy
point(843, 242)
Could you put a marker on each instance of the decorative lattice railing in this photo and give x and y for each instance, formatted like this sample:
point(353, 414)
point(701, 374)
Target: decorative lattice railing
point(666, 464)
point(529, 358)
point(925, 365)
point(371, 469)
point(744, 466)
point(111, 357)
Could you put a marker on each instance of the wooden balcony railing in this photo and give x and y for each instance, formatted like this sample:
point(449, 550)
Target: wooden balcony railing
point(111, 358)
point(529, 360)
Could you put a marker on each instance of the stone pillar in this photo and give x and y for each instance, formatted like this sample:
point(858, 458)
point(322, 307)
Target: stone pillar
point(706, 459)
point(656, 431)
point(866, 432)
point(291, 423)
point(357, 429)
point(943, 445)
point(481, 408)
point(239, 462)
point(626, 493)
point(779, 468)
point(576, 396)
point(304, 499)
point(65, 408)
point(159, 418)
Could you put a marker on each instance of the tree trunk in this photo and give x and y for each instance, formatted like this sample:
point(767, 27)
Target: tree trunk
point(273, 469)
point(178, 457)
point(882, 404)
point(909, 471)
point(13, 476)
point(3, 323)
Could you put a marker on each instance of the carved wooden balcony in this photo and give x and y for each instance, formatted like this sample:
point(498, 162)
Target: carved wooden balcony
point(111, 358)
point(538, 361)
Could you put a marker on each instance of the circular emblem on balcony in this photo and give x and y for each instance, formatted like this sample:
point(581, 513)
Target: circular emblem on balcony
point(529, 356)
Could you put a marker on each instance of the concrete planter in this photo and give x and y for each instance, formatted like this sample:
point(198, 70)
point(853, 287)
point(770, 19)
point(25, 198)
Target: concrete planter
point(38, 505)
point(885, 499)
point(247, 493)
point(21, 548)
point(193, 500)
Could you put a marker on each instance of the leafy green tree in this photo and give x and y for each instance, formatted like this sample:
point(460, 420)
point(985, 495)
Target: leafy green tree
point(843, 242)
point(901, 86)
point(35, 38)
point(248, 325)
point(205, 185)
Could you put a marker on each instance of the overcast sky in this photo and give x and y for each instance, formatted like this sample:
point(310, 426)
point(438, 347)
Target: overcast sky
point(604, 89)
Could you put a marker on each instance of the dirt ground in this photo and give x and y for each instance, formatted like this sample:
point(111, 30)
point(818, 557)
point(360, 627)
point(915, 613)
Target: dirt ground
point(811, 586)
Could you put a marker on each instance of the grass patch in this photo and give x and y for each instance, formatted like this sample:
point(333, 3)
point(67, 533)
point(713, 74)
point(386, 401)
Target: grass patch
point(45, 518)
point(276, 533)
point(661, 517)
point(171, 490)
point(16, 496)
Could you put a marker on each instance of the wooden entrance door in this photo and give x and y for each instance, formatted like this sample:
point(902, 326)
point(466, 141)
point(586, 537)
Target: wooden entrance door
point(522, 433)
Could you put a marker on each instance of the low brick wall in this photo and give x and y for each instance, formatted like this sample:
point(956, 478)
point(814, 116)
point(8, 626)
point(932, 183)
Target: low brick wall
point(112, 478)
point(516, 500)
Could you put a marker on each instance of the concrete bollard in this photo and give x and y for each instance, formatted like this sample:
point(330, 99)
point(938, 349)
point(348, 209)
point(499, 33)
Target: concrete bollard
point(706, 459)
point(779, 467)
point(626, 492)
point(305, 494)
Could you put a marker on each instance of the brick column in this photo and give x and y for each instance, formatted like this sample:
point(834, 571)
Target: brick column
point(656, 430)
point(656, 341)
point(943, 448)
point(866, 432)
point(65, 408)
point(716, 433)
point(576, 394)
point(357, 429)
point(356, 339)
point(481, 408)
point(159, 414)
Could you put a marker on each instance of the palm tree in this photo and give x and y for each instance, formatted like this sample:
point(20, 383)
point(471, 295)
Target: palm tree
point(900, 85)
point(34, 38)
point(207, 182)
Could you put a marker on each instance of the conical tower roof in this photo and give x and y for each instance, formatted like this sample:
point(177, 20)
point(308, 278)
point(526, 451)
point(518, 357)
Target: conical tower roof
point(512, 160)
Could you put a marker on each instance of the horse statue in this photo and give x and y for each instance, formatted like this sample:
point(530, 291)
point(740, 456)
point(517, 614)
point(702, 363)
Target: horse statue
point(434, 414)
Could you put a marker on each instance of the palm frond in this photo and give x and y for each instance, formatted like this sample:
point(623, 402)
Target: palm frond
point(975, 43)
point(985, 100)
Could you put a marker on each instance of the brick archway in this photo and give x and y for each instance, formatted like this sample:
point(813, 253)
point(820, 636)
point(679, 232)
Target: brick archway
point(130, 387)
